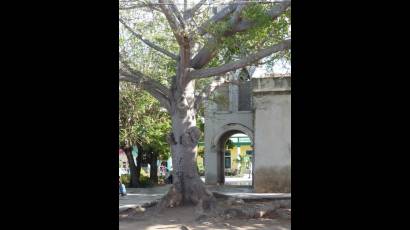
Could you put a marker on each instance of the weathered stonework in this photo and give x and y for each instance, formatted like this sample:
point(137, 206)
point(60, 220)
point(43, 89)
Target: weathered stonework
point(273, 179)
point(267, 124)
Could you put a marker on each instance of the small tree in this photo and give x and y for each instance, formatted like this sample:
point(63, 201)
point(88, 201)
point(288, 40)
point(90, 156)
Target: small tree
point(142, 124)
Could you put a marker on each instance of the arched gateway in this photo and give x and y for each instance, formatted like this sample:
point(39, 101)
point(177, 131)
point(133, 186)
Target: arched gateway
point(260, 109)
point(218, 142)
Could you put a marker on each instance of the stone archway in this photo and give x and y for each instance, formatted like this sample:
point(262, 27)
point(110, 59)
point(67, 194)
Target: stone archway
point(215, 155)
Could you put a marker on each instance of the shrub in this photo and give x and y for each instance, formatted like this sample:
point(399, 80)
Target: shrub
point(230, 172)
point(201, 168)
point(144, 181)
point(201, 172)
point(125, 179)
point(144, 173)
point(161, 180)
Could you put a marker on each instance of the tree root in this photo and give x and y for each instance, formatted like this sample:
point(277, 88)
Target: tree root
point(170, 200)
point(238, 208)
point(203, 200)
point(206, 206)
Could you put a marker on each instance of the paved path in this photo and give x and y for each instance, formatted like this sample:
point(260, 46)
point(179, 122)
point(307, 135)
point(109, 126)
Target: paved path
point(232, 180)
point(145, 196)
point(142, 196)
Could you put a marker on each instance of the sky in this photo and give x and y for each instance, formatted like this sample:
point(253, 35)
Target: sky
point(260, 71)
point(277, 68)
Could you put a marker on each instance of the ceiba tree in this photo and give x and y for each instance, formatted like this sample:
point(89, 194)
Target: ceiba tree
point(186, 46)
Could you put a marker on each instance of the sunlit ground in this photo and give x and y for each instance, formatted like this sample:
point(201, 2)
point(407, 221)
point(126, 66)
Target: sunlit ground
point(174, 218)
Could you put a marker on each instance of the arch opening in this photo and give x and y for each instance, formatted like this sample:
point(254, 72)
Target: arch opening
point(235, 158)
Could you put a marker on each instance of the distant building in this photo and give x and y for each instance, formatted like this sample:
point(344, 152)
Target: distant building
point(238, 159)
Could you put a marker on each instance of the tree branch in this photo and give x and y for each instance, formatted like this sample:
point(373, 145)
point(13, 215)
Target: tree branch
point(225, 12)
point(139, 5)
point(191, 12)
point(173, 23)
point(147, 42)
point(236, 15)
point(156, 89)
point(209, 50)
point(246, 24)
point(138, 78)
point(177, 14)
point(150, 88)
point(207, 91)
point(215, 71)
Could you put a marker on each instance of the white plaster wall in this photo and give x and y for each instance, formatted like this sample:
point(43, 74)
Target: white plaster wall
point(271, 120)
point(272, 130)
point(215, 125)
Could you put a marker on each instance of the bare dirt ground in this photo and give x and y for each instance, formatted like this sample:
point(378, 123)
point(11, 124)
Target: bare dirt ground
point(230, 215)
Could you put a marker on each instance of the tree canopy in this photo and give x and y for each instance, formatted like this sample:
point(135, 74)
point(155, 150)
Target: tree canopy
point(142, 121)
point(240, 34)
point(181, 52)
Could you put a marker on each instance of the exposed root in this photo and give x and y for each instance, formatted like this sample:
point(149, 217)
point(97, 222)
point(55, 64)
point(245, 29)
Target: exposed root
point(170, 200)
point(211, 209)
point(203, 200)
point(206, 205)
point(250, 213)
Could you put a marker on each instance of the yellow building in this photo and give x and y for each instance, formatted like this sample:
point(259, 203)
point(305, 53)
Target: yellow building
point(238, 155)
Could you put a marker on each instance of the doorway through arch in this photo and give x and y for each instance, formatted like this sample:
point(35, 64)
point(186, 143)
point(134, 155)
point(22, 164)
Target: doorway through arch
point(235, 158)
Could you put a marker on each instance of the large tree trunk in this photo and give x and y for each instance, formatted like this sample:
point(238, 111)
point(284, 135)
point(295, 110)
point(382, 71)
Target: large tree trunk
point(187, 185)
point(134, 172)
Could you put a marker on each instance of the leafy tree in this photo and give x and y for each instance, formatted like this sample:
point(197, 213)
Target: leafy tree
point(229, 144)
point(180, 54)
point(142, 124)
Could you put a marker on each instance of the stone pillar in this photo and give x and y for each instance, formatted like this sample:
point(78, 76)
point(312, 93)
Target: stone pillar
point(272, 101)
point(211, 162)
point(210, 157)
point(233, 98)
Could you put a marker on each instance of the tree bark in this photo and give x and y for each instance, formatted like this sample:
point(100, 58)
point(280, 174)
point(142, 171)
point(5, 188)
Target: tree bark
point(154, 169)
point(180, 100)
point(138, 172)
point(134, 172)
point(139, 162)
point(188, 187)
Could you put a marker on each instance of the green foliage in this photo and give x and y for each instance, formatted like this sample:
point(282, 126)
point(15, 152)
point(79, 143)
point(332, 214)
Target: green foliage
point(264, 32)
point(201, 152)
point(152, 26)
point(230, 172)
point(201, 169)
point(144, 179)
point(229, 144)
point(161, 179)
point(143, 121)
point(257, 12)
point(125, 179)
point(145, 182)
point(144, 173)
point(244, 161)
point(222, 100)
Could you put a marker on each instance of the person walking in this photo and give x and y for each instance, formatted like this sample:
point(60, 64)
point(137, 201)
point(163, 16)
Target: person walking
point(123, 191)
